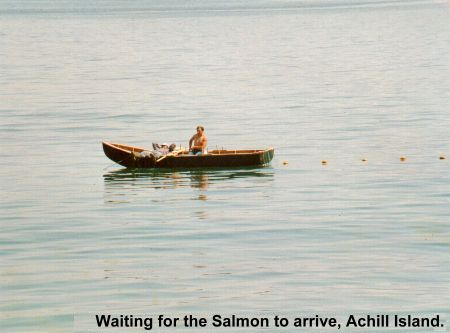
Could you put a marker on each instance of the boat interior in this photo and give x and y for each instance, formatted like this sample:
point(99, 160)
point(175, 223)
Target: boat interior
point(179, 152)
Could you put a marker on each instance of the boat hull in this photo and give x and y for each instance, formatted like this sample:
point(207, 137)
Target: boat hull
point(129, 157)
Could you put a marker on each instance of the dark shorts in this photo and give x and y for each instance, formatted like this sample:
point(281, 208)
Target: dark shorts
point(196, 151)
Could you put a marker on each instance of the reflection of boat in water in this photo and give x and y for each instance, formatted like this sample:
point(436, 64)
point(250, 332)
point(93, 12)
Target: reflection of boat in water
point(130, 157)
point(181, 187)
point(201, 179)
point(162, 195)
point(156, 178)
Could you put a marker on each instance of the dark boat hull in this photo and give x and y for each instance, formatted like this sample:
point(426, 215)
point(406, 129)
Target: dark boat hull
point(128, 156)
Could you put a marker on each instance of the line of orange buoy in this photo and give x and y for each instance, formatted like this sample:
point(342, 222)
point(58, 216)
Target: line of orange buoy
point(402, 159)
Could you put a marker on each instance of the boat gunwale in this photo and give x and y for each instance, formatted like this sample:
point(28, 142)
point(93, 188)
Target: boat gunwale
point(116, 147)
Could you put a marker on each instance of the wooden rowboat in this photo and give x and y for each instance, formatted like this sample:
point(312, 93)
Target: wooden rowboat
point(130, 157)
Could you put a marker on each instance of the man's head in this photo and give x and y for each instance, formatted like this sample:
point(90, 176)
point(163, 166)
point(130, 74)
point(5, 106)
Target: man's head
point(200, 129)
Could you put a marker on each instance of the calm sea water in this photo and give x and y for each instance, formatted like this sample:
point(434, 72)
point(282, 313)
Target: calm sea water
point(330, 80)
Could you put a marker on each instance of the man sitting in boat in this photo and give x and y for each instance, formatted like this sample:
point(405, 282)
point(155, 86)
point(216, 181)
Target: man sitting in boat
point(198, 142)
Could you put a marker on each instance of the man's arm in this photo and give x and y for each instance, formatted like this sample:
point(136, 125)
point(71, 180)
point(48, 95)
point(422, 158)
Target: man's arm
point(204, 142)
point(190, 141)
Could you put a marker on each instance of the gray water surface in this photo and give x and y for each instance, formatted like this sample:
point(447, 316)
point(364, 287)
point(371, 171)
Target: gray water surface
point(336, 81)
